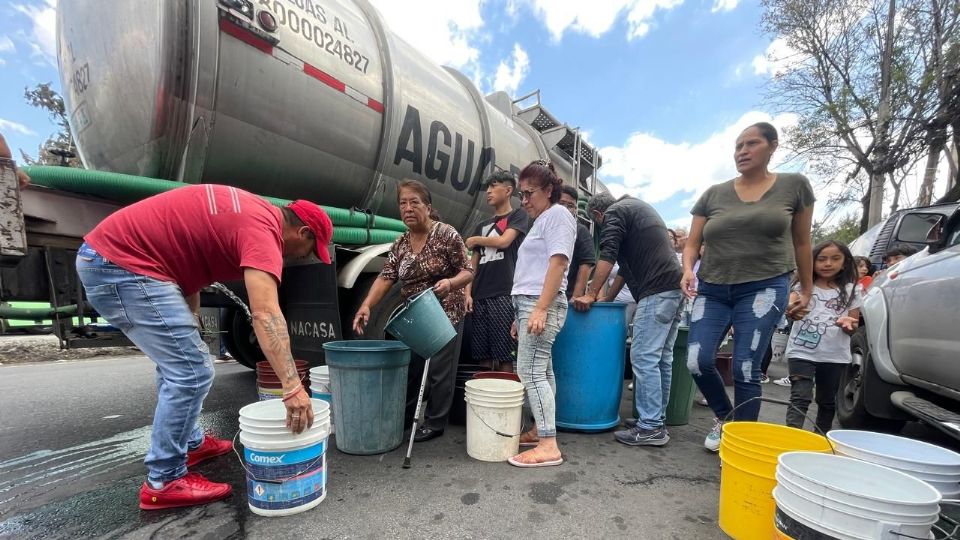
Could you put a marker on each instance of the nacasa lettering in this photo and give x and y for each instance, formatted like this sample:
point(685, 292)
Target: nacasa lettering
point(314, 329)
point(437, 166)
point(257, 458)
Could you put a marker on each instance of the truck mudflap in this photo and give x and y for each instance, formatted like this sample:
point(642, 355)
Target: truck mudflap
point(13, 232)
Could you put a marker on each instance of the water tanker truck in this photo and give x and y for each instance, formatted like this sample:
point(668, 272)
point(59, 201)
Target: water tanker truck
point(313, 99)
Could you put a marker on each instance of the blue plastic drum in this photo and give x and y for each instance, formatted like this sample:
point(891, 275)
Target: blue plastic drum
point(588, 358)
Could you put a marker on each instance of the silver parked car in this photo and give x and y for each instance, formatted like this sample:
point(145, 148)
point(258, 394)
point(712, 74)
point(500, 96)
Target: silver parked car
point(906, 355)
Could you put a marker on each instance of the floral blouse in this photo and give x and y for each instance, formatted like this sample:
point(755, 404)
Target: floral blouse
point(443, 256)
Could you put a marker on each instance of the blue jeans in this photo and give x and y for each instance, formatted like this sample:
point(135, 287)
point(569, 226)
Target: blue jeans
point(651, 354)
point(753, 309)
point(154, 316)
point(535, 360)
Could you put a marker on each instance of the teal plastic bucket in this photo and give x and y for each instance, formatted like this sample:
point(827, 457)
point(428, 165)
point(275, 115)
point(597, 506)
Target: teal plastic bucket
point(422, 324)
point(368, 381)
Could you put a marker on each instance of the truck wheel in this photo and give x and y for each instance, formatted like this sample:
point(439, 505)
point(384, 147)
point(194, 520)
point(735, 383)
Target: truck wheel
point(239, 338)
point(852, 410)
point(379, 315)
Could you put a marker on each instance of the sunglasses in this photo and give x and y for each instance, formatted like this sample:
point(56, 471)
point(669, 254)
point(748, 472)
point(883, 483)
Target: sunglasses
point(528, 193)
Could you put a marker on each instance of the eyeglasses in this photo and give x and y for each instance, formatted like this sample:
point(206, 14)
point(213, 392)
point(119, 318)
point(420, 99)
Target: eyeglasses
point(528, 193)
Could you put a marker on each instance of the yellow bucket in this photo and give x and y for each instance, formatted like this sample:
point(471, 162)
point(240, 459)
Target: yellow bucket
point(748, 454)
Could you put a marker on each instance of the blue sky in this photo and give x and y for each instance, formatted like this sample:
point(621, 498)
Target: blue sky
point(661, 86)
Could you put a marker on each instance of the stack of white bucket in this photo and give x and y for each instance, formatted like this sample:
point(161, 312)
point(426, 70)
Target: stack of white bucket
point(321, 388)
point(286, 473)
point(878, 486)
point(493, 405)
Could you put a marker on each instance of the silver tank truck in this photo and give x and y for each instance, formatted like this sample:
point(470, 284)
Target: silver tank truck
point(292, 98)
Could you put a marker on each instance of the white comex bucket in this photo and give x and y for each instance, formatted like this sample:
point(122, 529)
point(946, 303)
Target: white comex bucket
point(286, 473)
point(934, 465)
point(320, 387)
point(850, 499)
point(494, 418)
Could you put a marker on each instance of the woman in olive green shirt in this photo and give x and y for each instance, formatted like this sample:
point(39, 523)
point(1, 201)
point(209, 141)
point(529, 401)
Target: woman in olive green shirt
point(756, 228)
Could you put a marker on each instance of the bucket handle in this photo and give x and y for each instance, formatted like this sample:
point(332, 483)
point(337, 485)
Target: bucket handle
point(276, 481)
point(789, 406)
point(406, 303)
point(491, 428)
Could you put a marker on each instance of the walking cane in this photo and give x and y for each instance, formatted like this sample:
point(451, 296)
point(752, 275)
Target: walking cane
point(416, 416)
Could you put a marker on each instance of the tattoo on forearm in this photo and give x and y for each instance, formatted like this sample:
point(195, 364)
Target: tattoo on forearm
point(277, 342)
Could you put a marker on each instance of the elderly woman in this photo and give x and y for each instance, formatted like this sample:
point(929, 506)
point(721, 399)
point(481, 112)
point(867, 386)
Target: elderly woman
point(757, 232)
point(429, 254)
point(539, 285)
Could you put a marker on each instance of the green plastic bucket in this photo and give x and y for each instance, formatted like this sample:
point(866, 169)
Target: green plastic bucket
point(422, 324)
point(368, 382)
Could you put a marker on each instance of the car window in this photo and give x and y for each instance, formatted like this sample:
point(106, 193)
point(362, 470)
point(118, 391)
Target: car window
point(954, 237)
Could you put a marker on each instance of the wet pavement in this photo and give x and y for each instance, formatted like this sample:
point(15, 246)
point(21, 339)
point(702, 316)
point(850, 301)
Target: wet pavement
point(73, 436)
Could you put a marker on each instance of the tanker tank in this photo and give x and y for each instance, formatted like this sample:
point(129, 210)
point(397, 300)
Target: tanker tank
point(292, 99)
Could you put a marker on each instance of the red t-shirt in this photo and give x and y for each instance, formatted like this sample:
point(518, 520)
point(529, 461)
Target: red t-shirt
point(193, 236)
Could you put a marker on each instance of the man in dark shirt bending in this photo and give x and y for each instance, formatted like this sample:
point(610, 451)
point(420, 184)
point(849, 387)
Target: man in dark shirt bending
point(633, 235)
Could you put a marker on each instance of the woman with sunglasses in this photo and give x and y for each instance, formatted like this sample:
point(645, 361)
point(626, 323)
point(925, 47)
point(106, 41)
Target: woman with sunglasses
point(539, 282)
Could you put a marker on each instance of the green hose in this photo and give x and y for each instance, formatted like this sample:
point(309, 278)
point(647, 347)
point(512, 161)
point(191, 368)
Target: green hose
point(126, 189)
point(358, 237)
point(36, 314)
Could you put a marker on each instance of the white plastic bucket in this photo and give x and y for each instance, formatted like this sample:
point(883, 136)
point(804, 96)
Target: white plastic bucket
point(286, 473)
point(936, 466)
point(320, 387)
point(266, 394)
point(850, 499)
point(493, 405)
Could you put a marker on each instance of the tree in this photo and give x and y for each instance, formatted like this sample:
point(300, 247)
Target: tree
point(864, 97)
point(60, 148)
point(939, 22)
point(846, 230)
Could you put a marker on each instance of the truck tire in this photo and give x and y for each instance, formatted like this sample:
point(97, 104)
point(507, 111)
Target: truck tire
point(852, 410)
point(379, 315)
point(239, 339)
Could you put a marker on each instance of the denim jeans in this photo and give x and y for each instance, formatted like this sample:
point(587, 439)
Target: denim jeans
point(535, 360)
point(154, 315)
point(753, 308)
point(651, 354)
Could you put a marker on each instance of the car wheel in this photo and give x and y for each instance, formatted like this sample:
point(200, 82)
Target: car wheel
point(852, 411)
point(239, 338)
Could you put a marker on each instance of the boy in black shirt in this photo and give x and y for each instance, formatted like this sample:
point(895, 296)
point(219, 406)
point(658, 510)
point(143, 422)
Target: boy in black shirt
point(494, 244)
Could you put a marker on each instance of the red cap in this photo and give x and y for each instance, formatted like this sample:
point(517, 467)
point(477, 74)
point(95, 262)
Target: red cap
point(318, 222)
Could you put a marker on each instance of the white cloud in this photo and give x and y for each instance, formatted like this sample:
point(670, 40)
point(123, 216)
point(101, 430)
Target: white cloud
point(724, 5)
point(444, 30)
point(776, 59)
point(42, 36)
point(10, 125)
point(6, 45)
point(595, 18)
point(655, 170)
point(508, 77)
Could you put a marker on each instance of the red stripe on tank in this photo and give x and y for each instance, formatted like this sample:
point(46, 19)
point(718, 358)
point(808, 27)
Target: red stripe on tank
point(375, 105)
point(245, 36)
point(324, 77)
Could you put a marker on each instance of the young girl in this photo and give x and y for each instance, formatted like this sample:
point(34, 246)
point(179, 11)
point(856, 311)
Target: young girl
point(865, 271)
point(819, 347)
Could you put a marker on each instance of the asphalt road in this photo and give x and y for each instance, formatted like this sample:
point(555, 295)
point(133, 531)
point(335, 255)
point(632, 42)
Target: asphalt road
point(73, 436)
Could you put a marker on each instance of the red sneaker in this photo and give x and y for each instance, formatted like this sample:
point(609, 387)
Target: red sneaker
point(210, 447)
point(189, 490)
